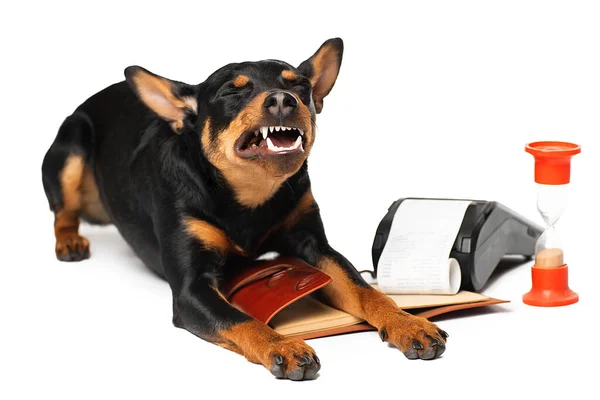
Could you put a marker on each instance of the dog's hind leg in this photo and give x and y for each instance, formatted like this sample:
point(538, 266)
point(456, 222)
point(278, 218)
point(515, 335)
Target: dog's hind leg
point(67, 183)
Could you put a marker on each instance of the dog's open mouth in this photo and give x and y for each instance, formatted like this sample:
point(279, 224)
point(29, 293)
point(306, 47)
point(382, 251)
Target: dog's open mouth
point(270, 140)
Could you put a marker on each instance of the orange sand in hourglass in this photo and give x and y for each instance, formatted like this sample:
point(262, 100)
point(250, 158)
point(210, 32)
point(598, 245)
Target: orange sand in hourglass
point(549, 258)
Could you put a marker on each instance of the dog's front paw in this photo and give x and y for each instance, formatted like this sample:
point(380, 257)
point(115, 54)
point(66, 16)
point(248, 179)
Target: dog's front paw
point(72, 247)
point(292, 359)
point(416, 337)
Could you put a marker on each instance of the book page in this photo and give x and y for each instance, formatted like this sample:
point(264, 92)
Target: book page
point(416, 257)
point(308, 315)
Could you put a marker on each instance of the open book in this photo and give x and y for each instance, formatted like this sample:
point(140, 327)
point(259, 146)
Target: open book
point(309, 318)
point(279, 293)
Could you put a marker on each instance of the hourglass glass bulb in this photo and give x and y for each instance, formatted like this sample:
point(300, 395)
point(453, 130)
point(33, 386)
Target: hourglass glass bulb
point(552, 175)
point(551, 204)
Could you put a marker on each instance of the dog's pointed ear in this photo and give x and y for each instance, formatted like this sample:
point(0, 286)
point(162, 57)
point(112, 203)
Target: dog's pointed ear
point(171, 100)
point(322, 69)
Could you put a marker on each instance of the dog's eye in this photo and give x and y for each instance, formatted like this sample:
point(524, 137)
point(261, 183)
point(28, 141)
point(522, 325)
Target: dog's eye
point(302, 84)
point(303, 87)
point(229, 89)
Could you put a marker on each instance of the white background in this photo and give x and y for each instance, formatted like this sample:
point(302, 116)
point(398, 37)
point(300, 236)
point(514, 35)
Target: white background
point(434, 99)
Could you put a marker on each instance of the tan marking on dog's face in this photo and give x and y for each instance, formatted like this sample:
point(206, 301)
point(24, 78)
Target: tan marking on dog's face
point(240, 81)
point(211, 237)
point(289, 75)
point(254, 181)
point(208, 146)
point(309, 133)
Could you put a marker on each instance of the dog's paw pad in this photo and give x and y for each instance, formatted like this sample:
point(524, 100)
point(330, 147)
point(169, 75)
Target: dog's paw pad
point(417, 339)
point(297, 368)
point(295, 360)
point(72, 248)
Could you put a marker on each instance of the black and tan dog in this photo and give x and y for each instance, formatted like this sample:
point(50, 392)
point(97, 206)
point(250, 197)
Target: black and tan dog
point(196, 175)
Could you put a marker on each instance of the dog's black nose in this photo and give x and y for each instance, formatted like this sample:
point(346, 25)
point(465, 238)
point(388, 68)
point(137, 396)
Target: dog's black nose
point(281, 104)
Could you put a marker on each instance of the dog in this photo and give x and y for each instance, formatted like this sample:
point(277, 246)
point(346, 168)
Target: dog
point(194, 176)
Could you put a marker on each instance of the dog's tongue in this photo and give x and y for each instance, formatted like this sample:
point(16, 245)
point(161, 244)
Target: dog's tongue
point(284, 145)
point(282, 140)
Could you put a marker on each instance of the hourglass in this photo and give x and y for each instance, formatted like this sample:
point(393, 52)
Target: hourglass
point(550, 280)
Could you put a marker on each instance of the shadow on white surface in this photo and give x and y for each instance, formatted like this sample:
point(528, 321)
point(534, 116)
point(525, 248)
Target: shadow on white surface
point(471, 312)
point(508, 265)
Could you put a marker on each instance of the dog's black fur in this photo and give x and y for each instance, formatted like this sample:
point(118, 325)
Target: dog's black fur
point(170, 165)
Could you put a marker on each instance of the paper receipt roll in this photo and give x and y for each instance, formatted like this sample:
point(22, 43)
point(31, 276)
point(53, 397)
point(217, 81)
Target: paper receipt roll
point(444, 278)
point(416, 257)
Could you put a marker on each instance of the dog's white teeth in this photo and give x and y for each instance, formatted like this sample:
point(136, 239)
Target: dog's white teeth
point(271, 128)
point(282, 150)
point(297, 143)
point(301, 132)
point(256, 132)
point(285, 128)
point(277, 128)
point(264, 131)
